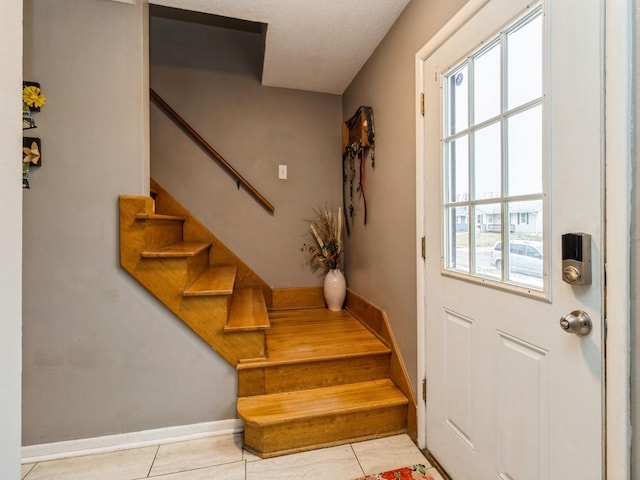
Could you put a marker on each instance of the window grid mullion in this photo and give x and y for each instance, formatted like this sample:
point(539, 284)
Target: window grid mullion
point(508, 114)
point(471, 163)
point(504, 172)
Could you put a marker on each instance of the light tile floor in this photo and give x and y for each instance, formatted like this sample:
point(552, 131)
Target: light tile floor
point(223, 458)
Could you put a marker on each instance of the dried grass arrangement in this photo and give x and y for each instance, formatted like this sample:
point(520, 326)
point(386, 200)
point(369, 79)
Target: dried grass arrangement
point(326, 231)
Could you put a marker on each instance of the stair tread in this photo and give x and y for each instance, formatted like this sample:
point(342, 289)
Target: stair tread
point(158, 216)
point(216, 280)
point(315, 334)
point(248, 311)
point(275, 408)
point(179, 249)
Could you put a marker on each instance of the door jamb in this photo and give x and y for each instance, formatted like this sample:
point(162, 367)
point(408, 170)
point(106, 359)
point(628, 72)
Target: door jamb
point(619, 154)
point(619, 141)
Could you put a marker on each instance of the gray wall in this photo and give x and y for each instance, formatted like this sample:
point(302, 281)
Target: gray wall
point(209, 76)
point(381, 260)
point(101, 356)
point(10, 238)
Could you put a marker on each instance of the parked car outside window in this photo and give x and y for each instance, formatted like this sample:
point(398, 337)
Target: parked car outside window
point(525, 257)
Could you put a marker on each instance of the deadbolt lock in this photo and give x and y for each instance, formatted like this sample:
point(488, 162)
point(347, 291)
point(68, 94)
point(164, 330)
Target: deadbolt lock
point(576, 258)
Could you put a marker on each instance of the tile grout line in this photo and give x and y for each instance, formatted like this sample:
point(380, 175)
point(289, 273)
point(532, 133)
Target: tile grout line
point(29, 472)
point(189, 470)
point(153, 461)
point(357, 459)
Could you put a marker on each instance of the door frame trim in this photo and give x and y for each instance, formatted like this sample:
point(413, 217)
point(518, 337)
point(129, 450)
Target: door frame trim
point(618, 157)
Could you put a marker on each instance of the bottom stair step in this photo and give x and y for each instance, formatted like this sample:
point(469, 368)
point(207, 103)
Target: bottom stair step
point(248, 311)
point(282, 423)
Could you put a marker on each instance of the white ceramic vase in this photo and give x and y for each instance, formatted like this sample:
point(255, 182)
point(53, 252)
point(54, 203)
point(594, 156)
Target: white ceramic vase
point(335, 289)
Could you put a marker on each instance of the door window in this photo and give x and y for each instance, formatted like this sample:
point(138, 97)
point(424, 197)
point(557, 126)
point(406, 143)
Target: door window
point(493, 160)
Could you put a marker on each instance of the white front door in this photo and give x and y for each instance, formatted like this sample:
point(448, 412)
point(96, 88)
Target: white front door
point(514, 160)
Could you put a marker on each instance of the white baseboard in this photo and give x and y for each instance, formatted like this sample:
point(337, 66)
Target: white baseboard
point(124, 441)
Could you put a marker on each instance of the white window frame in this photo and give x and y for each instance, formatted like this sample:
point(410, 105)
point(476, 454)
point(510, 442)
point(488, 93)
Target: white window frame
point(468, 201)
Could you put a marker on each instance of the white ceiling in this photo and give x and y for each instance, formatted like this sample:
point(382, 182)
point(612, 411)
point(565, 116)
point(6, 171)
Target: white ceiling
point(314, 45)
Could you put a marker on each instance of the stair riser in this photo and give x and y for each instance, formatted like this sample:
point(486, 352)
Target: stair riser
point(161, 233)
point(339, 429)
point(301, 376)
point(207, 317)
point(196, 265)
point(245, 345)
point(166, 279)
point(248, 311)
point(176, 274)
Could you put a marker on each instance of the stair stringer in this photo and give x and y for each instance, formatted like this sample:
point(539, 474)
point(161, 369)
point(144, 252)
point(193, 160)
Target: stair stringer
point(167, 279)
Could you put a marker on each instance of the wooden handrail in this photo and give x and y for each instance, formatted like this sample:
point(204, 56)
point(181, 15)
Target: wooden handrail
point(211, 151)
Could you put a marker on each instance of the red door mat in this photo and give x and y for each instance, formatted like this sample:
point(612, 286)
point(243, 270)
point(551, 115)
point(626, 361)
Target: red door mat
point(416, 472)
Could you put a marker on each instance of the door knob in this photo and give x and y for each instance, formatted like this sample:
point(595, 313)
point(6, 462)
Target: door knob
point(577, 322)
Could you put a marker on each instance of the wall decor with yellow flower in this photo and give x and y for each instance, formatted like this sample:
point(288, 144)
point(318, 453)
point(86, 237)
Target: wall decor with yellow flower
point(32, 100)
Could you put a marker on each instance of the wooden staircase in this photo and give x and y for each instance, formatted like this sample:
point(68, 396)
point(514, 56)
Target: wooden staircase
point(307, 377)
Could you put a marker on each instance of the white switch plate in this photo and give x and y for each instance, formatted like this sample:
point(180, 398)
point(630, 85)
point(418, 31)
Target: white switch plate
point(282, 172)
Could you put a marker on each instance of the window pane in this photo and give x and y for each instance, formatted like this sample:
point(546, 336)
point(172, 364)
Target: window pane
point(490, 219)
point(526, 257)
point(524, 63)
point(458, 101)
point(457, 241)
point(524, 152)
point(487, 241)
point(486, 85)
point(458, 170)
point(487, 162)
